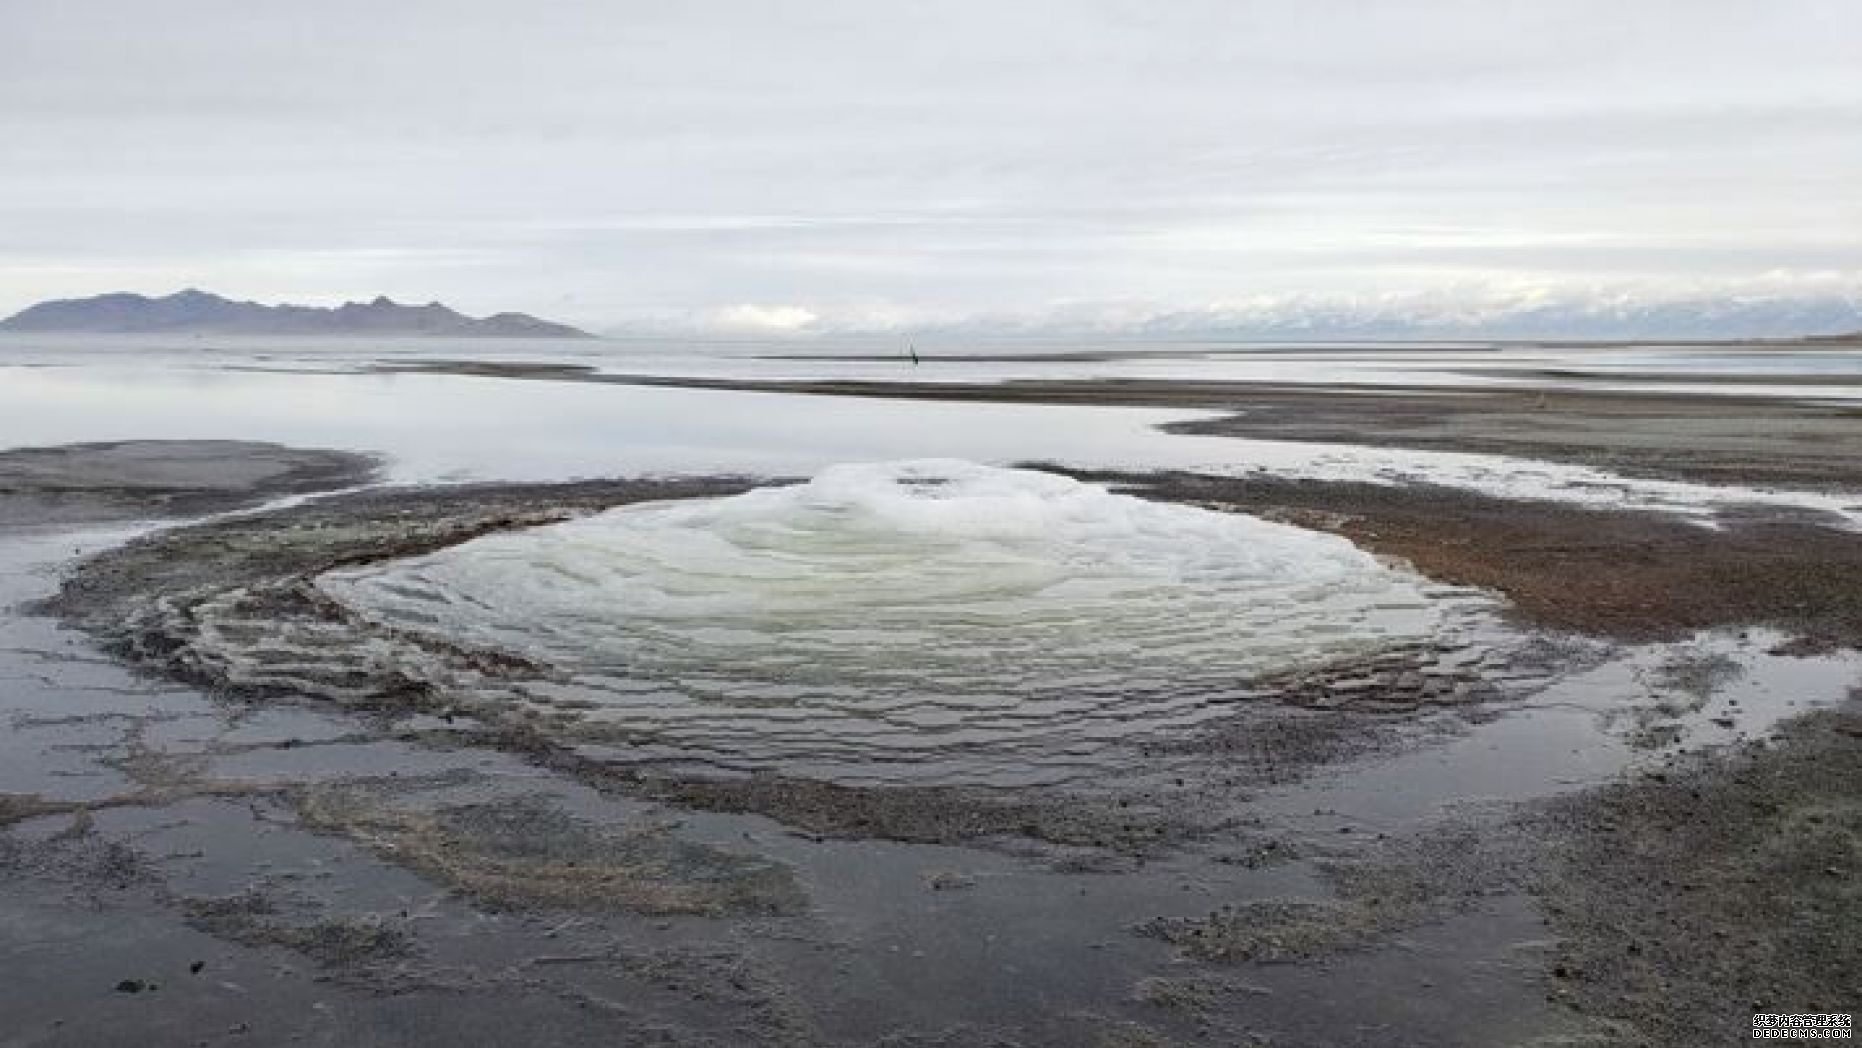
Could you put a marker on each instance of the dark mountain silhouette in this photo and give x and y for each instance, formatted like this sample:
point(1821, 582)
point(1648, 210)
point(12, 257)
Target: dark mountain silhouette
point(193, 312)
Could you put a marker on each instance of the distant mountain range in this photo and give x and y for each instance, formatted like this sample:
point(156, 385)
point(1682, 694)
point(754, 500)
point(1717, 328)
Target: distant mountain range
point(193, 312)
point(1701, 318)
point(1426, 318)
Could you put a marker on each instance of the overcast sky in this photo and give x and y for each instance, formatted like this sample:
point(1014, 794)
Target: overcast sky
point(823, 164)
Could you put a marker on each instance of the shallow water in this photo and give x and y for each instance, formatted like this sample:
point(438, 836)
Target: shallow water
point(930, 620)
point(1708, 370)
point(447, 428)
point(1586, 728)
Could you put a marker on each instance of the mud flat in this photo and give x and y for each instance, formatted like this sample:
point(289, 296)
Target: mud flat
point(1723, 884)
point(1626, 575)
point(142, 479)
point(1683, 898)
point(1604, 812)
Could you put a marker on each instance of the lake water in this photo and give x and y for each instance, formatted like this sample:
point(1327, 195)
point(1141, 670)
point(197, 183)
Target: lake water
point(446, 428)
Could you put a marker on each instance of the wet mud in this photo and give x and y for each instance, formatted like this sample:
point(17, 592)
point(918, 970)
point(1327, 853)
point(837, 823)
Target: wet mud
point(324, 853)
point(144, 479)
point(1713, 440)
point(1683, 899)
point(253, 918)
point(1693, 895)
point(1628, 575)
point(522, 852)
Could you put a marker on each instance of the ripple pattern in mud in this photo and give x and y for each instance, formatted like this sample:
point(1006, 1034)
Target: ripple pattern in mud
point(933, 619)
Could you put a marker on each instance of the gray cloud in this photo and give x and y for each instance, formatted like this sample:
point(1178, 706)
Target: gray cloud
point(625, 164)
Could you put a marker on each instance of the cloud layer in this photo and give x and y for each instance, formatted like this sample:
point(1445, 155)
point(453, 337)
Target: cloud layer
point(757, 167)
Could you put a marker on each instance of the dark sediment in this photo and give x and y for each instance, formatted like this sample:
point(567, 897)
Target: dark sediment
point(1724, 885)
point(1622, 574)
point(1683, 899)
point(524, 853)
point(255, 919)
point(1713, 440)
point(139, 479)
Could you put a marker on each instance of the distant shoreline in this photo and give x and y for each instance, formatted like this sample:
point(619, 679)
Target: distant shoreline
point(1719, 439)
point(195, 313)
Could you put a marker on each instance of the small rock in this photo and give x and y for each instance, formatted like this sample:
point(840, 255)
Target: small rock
point(949, 880)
